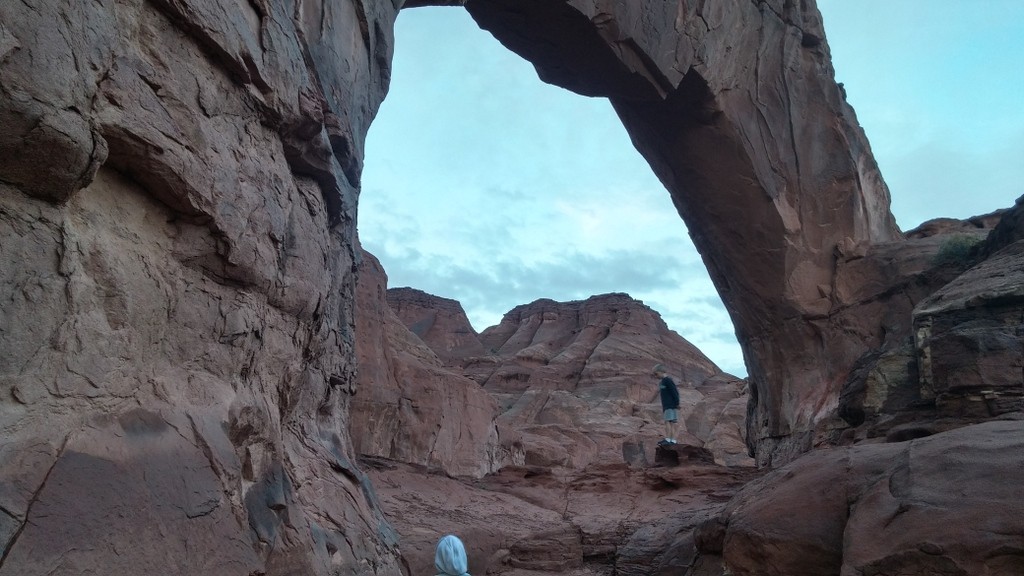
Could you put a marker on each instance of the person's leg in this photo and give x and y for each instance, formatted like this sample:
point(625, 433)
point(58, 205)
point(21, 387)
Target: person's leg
point(671, 416)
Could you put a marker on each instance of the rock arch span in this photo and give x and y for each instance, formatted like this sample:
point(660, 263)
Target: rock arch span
point(735, 107)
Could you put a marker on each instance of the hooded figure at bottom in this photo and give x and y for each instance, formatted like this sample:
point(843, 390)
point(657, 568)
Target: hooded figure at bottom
point(450, 557)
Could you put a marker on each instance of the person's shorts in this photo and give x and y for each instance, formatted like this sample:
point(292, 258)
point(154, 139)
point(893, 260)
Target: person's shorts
point(671, 415)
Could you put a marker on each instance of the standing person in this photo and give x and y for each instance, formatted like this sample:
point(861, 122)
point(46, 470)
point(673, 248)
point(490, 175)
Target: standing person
point(669, 404)
point(450, 557)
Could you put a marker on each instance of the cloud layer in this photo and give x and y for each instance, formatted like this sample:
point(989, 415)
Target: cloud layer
point(485, 185)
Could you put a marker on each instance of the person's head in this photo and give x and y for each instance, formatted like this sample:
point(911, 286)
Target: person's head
point(659, 370)
point(450, 557)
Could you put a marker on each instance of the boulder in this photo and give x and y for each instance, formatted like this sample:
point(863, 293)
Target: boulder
point(936, 505)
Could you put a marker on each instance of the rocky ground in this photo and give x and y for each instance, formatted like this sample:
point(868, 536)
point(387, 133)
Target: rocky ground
point(603, 520)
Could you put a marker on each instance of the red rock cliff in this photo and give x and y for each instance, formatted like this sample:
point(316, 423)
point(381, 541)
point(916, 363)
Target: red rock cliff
point(178, 187)
point(178, 183)
point(409, 407)
point(573, 382)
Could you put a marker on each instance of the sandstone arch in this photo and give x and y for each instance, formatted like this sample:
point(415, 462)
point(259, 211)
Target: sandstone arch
point(735, 106)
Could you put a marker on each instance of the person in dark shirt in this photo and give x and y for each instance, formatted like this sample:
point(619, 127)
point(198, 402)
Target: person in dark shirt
point(669, 403)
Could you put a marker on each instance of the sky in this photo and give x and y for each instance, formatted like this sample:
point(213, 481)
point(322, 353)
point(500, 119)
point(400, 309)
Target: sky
point(485, 185)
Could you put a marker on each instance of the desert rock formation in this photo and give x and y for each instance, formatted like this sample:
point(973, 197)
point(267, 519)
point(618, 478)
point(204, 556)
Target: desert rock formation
point(178, 185)
point(767, 165)
point(573, 381)
point(440, 323)
point(409, 408)
point(578, 486)
point(936, 505)
point(735, 107)
point(954, 346)
point(178, 194)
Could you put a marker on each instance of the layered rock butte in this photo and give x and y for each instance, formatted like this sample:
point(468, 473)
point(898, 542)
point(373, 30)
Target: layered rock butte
point(178, 190)
point(536, 439)
point(557, 385)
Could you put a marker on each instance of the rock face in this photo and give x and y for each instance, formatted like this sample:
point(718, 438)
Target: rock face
point(594, 345)
point(441, 323)
point(609, 519)
point(410, 408)
point(970, 340)
point(955, 345)
point(573, 380)
point(178, 188)
point(939, 505)
point(178, 185)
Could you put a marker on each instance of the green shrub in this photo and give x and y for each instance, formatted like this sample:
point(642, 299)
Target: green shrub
point(957, 249)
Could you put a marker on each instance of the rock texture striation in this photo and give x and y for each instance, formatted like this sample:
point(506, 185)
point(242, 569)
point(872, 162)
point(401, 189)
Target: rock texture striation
point(937, 505)
point(573, 382)
point(178, 190)
point(178, 184)
point(954, 342)
point(440, 323)
point(410, 408)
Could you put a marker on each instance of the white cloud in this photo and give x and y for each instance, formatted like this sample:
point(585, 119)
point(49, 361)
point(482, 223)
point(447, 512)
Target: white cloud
point(485, 185)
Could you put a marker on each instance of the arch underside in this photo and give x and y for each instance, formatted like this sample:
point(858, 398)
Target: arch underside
point(735, 107)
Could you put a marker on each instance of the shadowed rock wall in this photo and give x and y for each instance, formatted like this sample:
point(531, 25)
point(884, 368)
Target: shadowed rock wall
point(178, 184)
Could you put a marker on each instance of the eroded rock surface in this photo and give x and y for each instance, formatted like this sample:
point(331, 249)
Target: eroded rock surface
point(954, 342)
point(441, 323)
point(970, 340)
point(573, 382)
point(523, 521)
point(178, 186)
point(946, 504)
point(574, 379)
point(409, 407)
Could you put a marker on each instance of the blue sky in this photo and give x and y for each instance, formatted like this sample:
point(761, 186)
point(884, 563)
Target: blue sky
point(485, 185)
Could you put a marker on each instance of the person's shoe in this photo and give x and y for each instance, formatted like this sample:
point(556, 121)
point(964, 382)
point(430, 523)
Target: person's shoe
point(664, 442)
point(671, 440)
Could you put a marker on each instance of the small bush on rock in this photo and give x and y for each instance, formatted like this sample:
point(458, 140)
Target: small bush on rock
point(957, 250)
